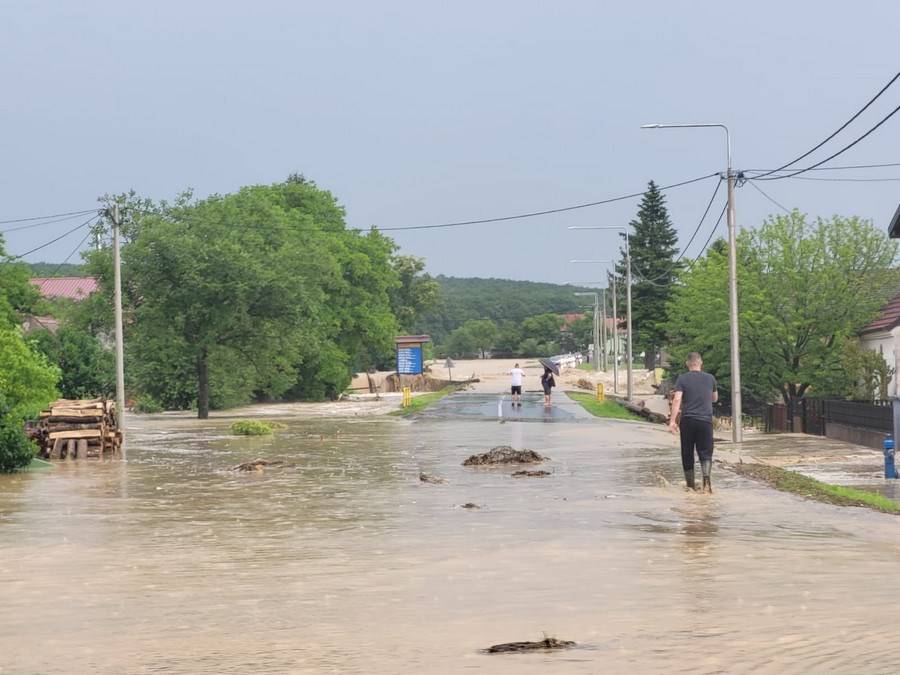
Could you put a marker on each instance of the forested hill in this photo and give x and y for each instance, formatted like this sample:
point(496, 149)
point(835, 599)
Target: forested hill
point(500, 300)
point(45, 269)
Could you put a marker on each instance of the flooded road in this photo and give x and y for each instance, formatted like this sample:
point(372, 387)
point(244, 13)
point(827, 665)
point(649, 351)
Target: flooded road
point(344, 562)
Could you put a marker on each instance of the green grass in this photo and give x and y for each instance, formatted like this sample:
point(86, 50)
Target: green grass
point(422, 401)
point(585, 366)
point(791, 481)
point(608, 408)
point(255, 427)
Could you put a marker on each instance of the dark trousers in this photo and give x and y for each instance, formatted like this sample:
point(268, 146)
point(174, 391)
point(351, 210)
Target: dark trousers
point(696, 434)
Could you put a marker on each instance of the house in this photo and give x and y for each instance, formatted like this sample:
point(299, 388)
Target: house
point(883, 335)
point(53, 288)
point(71, 288)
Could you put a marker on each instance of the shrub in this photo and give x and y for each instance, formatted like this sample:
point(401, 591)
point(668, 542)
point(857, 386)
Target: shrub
point(16, 449)
point(255, 427)
point(147, 404)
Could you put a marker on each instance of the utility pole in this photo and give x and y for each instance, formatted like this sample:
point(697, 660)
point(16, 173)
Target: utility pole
point(615, 337)
point(629, 395)
point(737, 432)
point(596, 329)
point(623, 229)
point(115, 217)
point(603, 363)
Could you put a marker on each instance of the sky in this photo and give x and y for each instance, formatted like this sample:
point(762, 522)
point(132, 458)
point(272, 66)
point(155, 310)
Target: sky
point(419, 113)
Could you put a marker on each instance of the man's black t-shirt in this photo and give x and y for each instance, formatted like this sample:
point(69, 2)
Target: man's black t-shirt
point(696, 389)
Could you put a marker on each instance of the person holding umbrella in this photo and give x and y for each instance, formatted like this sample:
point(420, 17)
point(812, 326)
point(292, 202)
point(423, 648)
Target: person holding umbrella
point(547, 381)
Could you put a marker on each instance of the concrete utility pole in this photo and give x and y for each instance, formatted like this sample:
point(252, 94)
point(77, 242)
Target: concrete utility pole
point(603, 349)
point(615, 336)
point(596, 329)
point(736, 410)
point(115, 217)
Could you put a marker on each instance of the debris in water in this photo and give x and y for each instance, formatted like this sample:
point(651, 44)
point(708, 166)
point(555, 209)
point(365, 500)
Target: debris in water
point(546, 643)
point(469, 505)
point(504, 454)
point(530, 474)
point(434, 480)
point(257, 465)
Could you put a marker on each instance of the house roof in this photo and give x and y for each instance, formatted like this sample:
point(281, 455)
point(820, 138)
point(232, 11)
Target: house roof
point(887, 320)
point(894, 227)
point(73, 288)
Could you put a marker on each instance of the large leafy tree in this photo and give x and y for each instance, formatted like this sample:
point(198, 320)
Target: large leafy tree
point(653, 241)
point(415, 292)
point(259, 294)
point(805, 289)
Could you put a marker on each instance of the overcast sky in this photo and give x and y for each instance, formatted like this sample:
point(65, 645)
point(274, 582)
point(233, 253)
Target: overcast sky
point(414, 113)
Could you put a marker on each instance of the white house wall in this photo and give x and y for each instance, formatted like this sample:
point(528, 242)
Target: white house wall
point(888, 345)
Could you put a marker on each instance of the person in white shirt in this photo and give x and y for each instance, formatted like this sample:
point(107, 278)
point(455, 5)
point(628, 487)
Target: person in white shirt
point(517, 375)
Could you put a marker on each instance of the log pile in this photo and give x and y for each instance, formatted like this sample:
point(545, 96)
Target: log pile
point(77, 430)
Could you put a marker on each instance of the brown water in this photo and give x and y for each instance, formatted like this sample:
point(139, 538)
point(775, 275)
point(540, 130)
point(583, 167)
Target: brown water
point(346, 563)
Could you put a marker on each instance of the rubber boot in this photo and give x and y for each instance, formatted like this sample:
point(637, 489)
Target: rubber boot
point(689, 479)
point(706, 467)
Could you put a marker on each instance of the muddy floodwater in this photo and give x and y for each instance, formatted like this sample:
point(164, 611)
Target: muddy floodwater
point(343, 561)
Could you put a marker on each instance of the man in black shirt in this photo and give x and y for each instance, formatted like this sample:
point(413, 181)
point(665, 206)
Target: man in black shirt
point(695, 393)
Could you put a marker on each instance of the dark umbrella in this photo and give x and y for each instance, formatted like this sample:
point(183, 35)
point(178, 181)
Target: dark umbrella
point(547, 363)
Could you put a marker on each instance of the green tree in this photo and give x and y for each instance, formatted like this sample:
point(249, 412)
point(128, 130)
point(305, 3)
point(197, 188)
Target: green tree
point(805, 289)
point(653, 242)
point(17, 296)
point(416, 290)
point(27, 384)
point(86, 369)
point(259, 294)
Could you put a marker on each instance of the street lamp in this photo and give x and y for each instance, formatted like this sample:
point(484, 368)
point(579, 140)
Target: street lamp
point(629, 393)
point(736, 416)
point(596, 359)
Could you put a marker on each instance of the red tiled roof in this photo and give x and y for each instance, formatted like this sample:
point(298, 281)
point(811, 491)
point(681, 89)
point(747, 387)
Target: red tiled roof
point(888, 319)
point(73, 288)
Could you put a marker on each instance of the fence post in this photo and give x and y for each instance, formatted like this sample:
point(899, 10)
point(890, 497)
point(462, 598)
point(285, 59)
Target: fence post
point(407, 397)
point(601, 392)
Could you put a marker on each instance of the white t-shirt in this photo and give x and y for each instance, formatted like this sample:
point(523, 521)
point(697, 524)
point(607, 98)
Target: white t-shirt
point(517, 374)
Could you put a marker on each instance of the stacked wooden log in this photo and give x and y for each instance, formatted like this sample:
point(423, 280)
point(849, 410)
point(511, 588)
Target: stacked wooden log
point(78, 429)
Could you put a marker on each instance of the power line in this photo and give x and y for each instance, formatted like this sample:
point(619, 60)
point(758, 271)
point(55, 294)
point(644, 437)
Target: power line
point(74, 251)
point(544, 213)
point(769, 197)
point(839, 152)
point(708, 239)
point(829, 168)
point(47, 222)
point(54, 215)
point(53, 241)
point(840, 128)
point(846, 180)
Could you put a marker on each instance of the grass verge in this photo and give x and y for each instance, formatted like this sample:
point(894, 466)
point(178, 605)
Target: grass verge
point(422, 401)
point(255, 427)
point(608, 408)
point(791, 481)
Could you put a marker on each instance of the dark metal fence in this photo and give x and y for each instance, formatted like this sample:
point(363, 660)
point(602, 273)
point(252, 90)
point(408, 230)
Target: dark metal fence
point(812, 416)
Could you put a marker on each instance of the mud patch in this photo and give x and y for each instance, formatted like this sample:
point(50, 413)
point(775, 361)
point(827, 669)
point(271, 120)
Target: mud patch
point(258, 465)
point(543, 645)
point(530, 474)
point(433, 480)
point(504, 454)
point(470, 505)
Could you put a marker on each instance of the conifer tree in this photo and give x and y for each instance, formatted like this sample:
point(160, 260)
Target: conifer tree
point(653, 241)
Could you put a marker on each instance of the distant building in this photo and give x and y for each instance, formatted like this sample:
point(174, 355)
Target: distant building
point(70, 288)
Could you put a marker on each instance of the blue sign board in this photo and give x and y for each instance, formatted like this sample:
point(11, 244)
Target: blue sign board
point(409, 360)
